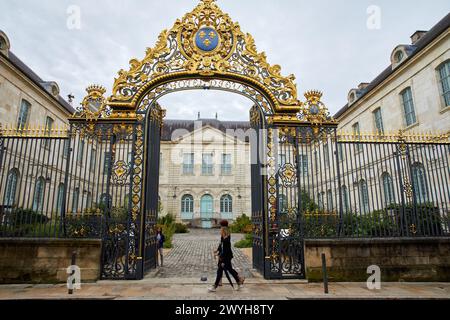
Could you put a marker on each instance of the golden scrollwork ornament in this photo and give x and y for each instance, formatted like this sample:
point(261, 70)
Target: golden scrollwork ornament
point(205, 42)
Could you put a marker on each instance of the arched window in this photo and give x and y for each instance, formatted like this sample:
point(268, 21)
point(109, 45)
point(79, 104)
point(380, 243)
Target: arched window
point(363, 196)
point(226, 204)
point(444, 78)
point(75, 200)
point(11, 187)
point(187, 204)
point(388, 189)
point(330, 205)
point(345, 200)
point(420, 182)
point(321, 200)
point(105, 199)
point(38, 198)
point(60, 199)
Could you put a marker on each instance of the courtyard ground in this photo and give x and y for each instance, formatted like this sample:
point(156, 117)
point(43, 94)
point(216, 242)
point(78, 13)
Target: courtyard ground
point(192, 257)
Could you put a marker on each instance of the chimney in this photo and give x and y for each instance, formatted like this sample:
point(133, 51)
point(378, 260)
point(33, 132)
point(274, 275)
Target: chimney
point(198, 115)
point(417, 36)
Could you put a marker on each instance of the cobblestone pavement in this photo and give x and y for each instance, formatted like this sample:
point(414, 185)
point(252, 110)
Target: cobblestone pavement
point(192, 256)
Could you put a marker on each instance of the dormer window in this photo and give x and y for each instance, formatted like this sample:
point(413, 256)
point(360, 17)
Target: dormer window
point(352, 97)
point(399, 56)
point(4, 43)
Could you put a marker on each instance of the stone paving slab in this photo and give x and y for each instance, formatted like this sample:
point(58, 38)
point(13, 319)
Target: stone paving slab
point(261, 291)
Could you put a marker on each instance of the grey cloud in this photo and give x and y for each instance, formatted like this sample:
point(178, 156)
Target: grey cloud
point(325, 44)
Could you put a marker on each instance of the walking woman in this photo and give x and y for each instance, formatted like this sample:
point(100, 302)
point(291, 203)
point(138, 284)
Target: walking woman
point(160, 238)
point(225, 255)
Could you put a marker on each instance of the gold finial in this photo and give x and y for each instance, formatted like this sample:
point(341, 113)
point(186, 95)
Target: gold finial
point(96, 88)
point(313, 96)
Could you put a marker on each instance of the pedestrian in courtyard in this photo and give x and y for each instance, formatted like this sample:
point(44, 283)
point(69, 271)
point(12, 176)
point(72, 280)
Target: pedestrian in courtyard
point(225, 255)
point(160, 238)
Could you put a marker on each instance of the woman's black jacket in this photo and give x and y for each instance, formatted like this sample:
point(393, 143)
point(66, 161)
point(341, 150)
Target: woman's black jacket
point(225, 252)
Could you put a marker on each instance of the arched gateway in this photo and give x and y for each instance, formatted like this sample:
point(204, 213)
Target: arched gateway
point(203, 50)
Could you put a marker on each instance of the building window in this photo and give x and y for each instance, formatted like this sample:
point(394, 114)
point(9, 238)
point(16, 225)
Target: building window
point(321, 200)
point(75, 200)
point(341, 151)
point(188, 163)
point(357, 135)
point(60, 199)
point(408, 107)
point(187, 204)
point(106, 163)
point(89, 200)
point(105, 200)
point(378, 121)
point(345, 199)
point(48, 129)
point(24, 113)
point(282, 203)
point(226, 164)
point(93, 161)
point(66, 148)
point(330, 204)
point(11, 187)
point(388, 189)
point(444, 78)
point(420, 182)
point(226, 204)
point(38, 197)
point(399, 56)
point(80, 151)
point(303, 159)
point(316, 161)
point(363, 196)
point(326, 154)
point(207, 164)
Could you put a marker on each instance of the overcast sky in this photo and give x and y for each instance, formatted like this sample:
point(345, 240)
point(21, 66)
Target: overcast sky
point(327, 45)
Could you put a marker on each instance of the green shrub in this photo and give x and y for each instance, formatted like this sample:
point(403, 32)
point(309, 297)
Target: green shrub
point(247, 242)
point(243, 224)
point(167, 223)
point(21, 222)
point(181, 228)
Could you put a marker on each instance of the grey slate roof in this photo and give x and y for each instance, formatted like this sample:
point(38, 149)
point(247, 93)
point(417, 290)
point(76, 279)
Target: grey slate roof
point(19, 64)
point(171, 125)
point(429, 37)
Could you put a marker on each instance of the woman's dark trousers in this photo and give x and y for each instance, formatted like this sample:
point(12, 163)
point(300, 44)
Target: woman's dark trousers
point(228, 267)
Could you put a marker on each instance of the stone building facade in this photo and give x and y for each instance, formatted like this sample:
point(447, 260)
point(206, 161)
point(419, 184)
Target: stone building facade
point(25, 98)
point(205, 170)
point(412, 93)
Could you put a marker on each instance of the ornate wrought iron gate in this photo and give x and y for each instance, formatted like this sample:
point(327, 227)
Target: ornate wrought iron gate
point(258, 194)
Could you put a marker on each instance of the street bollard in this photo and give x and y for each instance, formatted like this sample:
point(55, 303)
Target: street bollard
point(74, 257)
point(325, 276)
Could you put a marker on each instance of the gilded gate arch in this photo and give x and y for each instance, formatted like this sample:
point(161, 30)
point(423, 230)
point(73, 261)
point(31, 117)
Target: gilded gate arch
point(203, 50)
